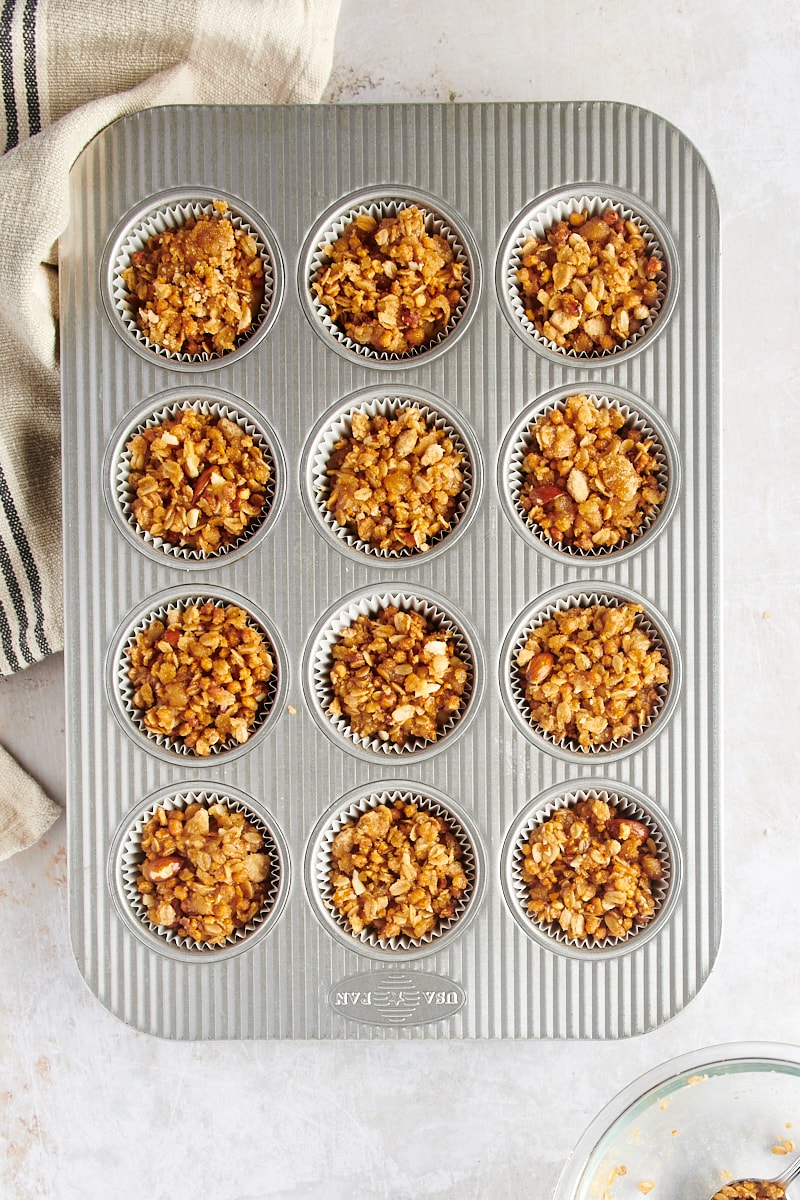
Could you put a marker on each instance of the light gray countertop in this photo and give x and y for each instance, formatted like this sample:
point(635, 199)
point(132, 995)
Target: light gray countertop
point(91, 1108)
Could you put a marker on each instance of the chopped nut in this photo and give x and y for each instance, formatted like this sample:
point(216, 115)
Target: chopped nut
point(215, 883)
point(583, 875)
point(590, 283)
point(397, 871)
point(389, 284)
point(194, 288)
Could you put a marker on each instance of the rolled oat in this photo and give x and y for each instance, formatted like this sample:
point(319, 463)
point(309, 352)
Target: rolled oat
point(199, 480)
point(590, 871)
point(397, 871)
point(591, 674)
point(395, 481)
point(204, 871)
point(591, 283)
point(389, 284)
point(590, 479)
point(200, 676)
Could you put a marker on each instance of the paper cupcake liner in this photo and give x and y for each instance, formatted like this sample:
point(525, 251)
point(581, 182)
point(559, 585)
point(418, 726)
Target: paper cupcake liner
point(520, 442)
point(320, 661)
point(126, 858)
point(132, 718)
point(319, 863)
point(123, 495)
point(660, 637)
point(438, 220)
point(537, 220)
point(338, 424)
point(171, 214)
point(629, 803)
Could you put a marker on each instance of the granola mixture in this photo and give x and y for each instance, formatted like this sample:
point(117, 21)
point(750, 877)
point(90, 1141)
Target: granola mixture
point(591, 675)
point(195, 289)
point(395, 677)
point(394, 481)
point(396, 871)
point(590, 283)
point(751, 1189)
point(204, 871)
point(388, 284)
point(590, 871)
point(198, 478)
point(199, 677)
point(590, 479)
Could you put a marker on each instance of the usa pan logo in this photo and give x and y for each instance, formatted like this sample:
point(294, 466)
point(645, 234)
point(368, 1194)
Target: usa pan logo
point(397, 997)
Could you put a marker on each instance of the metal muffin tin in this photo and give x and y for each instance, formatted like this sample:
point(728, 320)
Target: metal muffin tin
point(488, 174)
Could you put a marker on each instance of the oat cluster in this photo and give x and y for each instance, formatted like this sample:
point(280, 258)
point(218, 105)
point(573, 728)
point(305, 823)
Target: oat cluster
point(395, 677)
point(199, 480)
point(204, 871)
point(591, 675)
point(388, 284)
point(590, 872)
point(394, 481)
point(590, 479)
point(590, 283)
point(396, 871)
point(200, 677)
point(751, 1189)
point(195, 289)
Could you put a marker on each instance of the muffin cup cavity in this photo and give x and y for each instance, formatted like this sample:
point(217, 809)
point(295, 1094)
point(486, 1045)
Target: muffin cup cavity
point(561, 599)
point(168, 406)
point(629, 803)
point(168, 211)
point(121, 690)
point(319, 661)
point(337, 424)
point(558, 205)
point(638, 415)
point(440, 220)
point(350, 808)
point(126, 857)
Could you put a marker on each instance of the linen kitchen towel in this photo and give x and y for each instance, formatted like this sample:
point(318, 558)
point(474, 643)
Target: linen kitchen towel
point(67, 71)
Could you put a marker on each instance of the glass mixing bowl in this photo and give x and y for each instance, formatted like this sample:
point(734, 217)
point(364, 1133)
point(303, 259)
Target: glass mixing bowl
point(685, 1128)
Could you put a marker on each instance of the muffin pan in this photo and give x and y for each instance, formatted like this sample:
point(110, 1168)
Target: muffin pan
point(294, 177)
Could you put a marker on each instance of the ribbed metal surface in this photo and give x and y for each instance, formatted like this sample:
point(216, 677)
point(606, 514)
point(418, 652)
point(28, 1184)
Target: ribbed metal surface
point(290, 164)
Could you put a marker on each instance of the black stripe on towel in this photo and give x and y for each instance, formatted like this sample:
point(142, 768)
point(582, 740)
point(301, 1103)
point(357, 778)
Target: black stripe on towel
point(31, 82)
point(5, 640)
point(7, 72)
point(31, 571)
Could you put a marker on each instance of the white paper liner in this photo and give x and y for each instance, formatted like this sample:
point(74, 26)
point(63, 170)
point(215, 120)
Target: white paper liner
point(171, 216)
point(352, 812)
point(536, 225)
point(131, 856)
point(126, 690)
point(341, 427)
point(380, 208)
point(124, 494)
point(583, 600)
point(625, 806)
point(370, 605)
point(524, 443)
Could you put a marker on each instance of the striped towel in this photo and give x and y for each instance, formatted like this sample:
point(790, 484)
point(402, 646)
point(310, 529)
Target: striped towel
point(68, 70)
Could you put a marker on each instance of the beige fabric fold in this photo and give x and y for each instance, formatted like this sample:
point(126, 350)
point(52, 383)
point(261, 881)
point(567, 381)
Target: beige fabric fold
point(94, 62)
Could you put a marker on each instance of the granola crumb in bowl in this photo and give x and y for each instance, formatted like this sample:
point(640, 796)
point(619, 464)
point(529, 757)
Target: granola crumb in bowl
point(589, 475)
point(199, 873)
point(192, 277)
point(590, 673)
point(587, 274)
point(197, 676)
point(395, 872)
point(391, 475)
point(593, 869)
point(393, 674)
point(389, 277)
point(195, 474)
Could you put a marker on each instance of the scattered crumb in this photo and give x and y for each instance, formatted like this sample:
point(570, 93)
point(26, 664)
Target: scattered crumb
point(783, 1145)
point(292, 709)
point(646, 1186)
